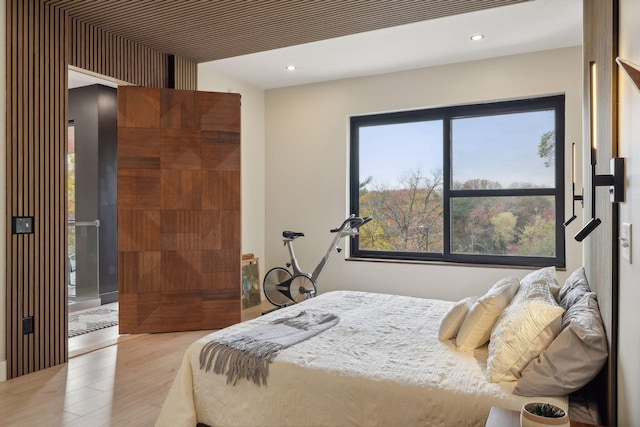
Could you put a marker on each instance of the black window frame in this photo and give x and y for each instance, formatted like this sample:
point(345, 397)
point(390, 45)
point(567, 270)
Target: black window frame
point(447, 115)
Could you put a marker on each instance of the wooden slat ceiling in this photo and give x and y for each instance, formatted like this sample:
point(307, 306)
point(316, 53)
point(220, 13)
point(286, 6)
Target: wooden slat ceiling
point(206, 30)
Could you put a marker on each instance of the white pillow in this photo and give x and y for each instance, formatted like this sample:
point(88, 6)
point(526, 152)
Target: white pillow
point(453, 318)
point(525, 329)
point(546, 276)
point(477, 325)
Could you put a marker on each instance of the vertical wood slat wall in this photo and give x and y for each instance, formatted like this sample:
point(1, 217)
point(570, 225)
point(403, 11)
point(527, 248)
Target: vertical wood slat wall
point(600, 47)
point(36, 132)
point(93, 48)
point(41, 41)
point(186, 74)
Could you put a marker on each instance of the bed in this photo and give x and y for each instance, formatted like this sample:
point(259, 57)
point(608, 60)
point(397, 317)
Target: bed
point(381, 365)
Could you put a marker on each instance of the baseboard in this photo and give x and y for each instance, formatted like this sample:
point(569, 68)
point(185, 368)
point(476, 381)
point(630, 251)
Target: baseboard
point(108, 298)
point(3, 371)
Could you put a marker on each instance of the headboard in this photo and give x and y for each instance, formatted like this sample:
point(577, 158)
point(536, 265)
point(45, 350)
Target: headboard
point(600, 249)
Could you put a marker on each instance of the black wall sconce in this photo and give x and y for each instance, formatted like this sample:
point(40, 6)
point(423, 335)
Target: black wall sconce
point(614, 180)
point(575, 197)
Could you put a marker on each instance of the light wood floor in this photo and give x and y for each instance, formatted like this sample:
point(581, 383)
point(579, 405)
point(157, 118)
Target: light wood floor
point(95, 340)
point(120, 385)
point(112, 381)
point(101, 338)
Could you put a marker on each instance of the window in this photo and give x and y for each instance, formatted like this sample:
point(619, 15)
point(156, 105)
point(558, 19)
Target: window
point(472, 184)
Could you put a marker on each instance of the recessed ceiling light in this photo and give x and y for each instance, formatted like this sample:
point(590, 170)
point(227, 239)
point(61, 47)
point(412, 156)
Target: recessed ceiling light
point(477, 37)
point(290, 67)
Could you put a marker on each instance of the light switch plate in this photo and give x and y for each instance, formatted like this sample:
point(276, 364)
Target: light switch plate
point(22, 225)
point(625, 242)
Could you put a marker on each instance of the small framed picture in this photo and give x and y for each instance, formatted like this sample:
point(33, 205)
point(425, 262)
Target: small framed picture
point(251, 292)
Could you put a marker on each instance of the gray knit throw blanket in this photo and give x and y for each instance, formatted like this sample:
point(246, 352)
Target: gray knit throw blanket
point(248, 354)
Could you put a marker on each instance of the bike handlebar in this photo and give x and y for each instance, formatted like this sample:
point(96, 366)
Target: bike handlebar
point(353, 222)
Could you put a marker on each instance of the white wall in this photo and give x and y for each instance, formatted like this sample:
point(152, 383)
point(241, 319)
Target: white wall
point(252, 154)
point(629, 147)
point(3, 184)
point(307, 161)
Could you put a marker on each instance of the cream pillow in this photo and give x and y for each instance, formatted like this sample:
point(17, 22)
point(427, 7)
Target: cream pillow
point(476, 327)
point(543, 276)
point(453, 318)
point(525, 329)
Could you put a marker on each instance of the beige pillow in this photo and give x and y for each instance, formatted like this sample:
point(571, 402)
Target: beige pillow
point(546, 276)
point(574, 357)
point(526, 328)
point(453, 318)
point(476, 327)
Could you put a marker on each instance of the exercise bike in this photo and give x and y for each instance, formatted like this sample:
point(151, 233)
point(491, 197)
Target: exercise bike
point(283, 288)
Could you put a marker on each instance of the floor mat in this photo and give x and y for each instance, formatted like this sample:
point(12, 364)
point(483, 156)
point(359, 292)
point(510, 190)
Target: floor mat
point(85, 321)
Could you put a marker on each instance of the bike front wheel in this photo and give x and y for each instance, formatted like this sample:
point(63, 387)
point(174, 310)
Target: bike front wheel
point(275, 288)
point(302, 287)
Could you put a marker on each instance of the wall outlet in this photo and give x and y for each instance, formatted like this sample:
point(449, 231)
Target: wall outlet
point(625, 241)
point(27, 325)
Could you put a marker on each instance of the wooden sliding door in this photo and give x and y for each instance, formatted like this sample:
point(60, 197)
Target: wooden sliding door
point(178, 209)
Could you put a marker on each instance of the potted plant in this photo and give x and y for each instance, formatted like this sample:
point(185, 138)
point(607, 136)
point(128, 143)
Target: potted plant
point(537, 414)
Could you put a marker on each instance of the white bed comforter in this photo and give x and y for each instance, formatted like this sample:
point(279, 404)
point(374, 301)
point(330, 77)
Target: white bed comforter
point(381, 365)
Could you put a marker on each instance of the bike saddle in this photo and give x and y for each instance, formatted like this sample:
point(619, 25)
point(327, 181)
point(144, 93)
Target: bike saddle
point(292, 234)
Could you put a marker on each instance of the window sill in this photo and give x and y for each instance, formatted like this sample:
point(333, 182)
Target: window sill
point(447, 264)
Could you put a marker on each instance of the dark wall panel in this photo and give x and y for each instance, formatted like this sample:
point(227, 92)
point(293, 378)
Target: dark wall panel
point(83, 111)
point(108, 193)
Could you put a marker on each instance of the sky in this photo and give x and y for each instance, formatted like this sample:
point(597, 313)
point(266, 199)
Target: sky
point(501, 148)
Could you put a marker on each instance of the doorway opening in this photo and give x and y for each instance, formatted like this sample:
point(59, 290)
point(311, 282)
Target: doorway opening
point(92, 212)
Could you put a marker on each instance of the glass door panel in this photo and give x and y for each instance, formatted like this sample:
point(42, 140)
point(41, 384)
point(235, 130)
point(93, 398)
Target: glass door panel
point(82, 236)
